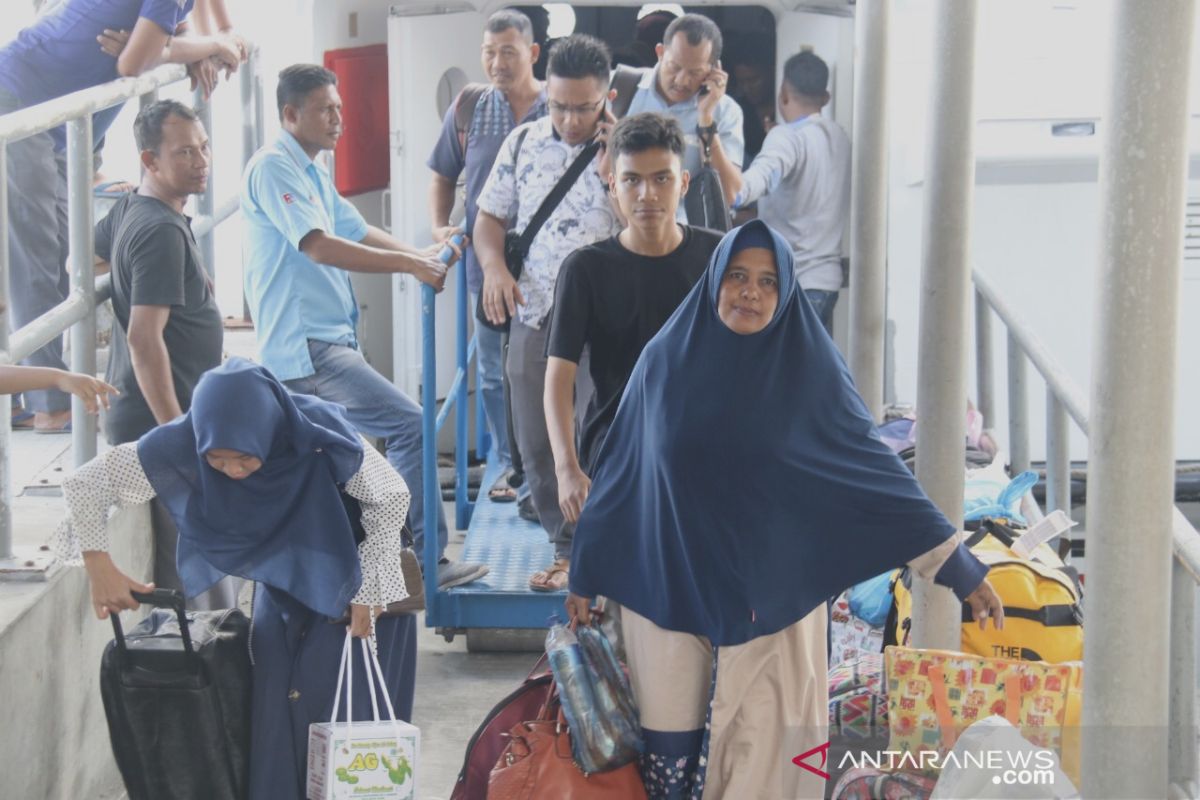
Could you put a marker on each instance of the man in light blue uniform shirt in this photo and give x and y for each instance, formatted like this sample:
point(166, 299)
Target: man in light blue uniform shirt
point(689, 85)
point(302, 239)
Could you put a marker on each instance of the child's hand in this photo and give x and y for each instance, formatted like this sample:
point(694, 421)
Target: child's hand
point(92, 391)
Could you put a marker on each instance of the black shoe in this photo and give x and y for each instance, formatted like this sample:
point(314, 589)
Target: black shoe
point(526, 511)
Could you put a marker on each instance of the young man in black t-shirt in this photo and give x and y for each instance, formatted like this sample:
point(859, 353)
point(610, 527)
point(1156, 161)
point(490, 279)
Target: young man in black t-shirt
point(612, 297)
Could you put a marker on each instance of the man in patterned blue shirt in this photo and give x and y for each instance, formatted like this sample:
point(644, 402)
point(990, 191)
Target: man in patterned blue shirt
point(302, 241)
point(508, 56)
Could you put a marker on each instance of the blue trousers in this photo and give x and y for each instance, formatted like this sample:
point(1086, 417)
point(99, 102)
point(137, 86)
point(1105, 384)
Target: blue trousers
point(377, 408)
point(37, 245)
point(489, 351)
point(296, 654)
point(823, 302)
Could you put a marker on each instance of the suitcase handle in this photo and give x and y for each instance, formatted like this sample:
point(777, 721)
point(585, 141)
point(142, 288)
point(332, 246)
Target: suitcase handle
point(161, 598)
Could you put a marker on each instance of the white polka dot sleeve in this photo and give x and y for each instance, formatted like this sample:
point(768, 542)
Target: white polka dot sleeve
point(384, 497)
point(115, 478)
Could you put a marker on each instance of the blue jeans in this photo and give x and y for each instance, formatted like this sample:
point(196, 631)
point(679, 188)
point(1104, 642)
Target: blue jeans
point(823, 302)
point(37, 246)
point(376, 408)
point(490, 353)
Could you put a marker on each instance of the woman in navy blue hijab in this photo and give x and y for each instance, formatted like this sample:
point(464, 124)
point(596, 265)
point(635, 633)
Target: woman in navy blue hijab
point(741, 485)
point(279, 489)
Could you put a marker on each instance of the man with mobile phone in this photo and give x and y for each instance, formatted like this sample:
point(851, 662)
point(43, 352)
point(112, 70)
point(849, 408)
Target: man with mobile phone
point(689, 85)
point(535, 161)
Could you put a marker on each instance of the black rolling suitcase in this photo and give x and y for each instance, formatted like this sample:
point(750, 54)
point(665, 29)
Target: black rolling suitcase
point(176, 691)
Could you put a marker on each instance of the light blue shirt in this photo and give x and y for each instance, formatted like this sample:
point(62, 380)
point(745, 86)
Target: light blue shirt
point(727, 117)
point(285, 196)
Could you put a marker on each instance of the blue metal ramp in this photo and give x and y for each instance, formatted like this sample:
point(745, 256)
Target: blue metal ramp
point(513, 548)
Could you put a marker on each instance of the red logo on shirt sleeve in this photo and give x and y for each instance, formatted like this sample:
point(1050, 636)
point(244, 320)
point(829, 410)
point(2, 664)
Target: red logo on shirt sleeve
point(287, 198)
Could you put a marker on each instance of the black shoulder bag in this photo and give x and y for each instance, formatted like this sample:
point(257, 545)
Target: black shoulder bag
point(516, 246)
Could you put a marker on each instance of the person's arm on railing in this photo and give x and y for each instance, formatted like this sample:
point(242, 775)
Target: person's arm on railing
point(335, 251)
point(441, 203)
point(377, 237)
point(152, 362)
point(148, 45)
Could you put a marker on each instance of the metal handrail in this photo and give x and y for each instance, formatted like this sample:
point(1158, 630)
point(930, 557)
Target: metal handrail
point(77, 311)
point(26, 122)
point(1065, 399)
point(432, 420)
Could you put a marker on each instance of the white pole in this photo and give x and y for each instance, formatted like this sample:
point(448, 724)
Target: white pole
point(945, 299)
point(868, 201)
point(1143, 173)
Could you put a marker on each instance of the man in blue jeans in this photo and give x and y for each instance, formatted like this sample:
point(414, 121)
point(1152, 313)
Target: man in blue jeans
point(514, 96)
point(302, 239)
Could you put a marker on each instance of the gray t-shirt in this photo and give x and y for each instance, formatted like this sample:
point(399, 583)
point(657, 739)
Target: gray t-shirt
point(155, 263)
point(801, 180)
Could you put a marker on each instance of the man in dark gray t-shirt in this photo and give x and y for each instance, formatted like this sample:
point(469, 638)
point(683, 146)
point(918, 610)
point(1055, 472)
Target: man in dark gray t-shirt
point(167, 329)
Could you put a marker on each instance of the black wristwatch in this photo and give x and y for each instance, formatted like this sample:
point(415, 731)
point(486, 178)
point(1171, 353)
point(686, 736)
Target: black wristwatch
point(707, 130)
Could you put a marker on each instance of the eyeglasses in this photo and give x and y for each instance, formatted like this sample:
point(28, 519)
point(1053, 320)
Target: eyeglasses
point(580, 111)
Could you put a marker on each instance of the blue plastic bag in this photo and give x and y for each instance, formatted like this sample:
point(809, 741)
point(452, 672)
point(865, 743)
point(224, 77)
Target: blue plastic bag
point(871, 599)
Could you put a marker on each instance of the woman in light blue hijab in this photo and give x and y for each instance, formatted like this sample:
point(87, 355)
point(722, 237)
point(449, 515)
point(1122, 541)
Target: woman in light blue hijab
point(741, 485)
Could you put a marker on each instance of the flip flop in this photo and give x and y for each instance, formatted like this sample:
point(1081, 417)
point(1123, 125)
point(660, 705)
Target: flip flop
point(52, 431)
point(22, 419)
point(551, 583)
point(502, 491)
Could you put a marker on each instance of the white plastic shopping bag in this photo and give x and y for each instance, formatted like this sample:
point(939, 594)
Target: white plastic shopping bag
point(367, 759)
point(991, 759)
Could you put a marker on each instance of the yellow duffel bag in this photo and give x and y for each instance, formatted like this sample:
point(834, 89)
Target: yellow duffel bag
point(1043, 620)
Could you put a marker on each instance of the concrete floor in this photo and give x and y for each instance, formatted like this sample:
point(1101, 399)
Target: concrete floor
point(455, 691)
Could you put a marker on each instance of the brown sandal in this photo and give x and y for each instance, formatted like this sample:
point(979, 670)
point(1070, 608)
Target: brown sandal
point(548, 580)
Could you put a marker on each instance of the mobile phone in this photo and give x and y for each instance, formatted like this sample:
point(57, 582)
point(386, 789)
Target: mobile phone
point(703, 88)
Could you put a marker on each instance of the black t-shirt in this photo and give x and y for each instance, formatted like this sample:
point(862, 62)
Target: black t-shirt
point(155, 263)
point(614, 301)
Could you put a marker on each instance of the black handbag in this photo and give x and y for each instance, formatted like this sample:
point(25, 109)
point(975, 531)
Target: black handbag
point(516, 246)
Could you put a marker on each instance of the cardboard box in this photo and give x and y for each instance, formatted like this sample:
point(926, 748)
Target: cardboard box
point(362, 760)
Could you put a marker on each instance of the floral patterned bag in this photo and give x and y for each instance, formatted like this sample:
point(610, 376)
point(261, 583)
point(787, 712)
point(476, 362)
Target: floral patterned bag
point(934, 694)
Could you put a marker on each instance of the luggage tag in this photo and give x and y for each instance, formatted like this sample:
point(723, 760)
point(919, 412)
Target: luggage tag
point(1051, 525)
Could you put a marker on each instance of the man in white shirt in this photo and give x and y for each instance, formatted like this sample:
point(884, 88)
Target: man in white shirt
point(801, 180)
point(531, 161)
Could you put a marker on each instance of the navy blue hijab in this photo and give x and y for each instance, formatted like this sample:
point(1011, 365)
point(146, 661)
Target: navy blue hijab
point(743, 482)
point(284, 525)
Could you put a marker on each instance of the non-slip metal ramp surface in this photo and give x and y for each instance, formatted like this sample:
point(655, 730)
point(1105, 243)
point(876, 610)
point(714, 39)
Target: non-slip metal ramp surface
point(514, 549)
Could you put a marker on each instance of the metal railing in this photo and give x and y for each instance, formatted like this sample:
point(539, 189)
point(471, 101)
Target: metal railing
point(432, 420)
point(1065, 403)
point(77, 311)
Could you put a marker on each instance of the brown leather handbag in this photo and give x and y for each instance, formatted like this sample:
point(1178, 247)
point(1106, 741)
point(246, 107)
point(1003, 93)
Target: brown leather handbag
point(537, 765)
